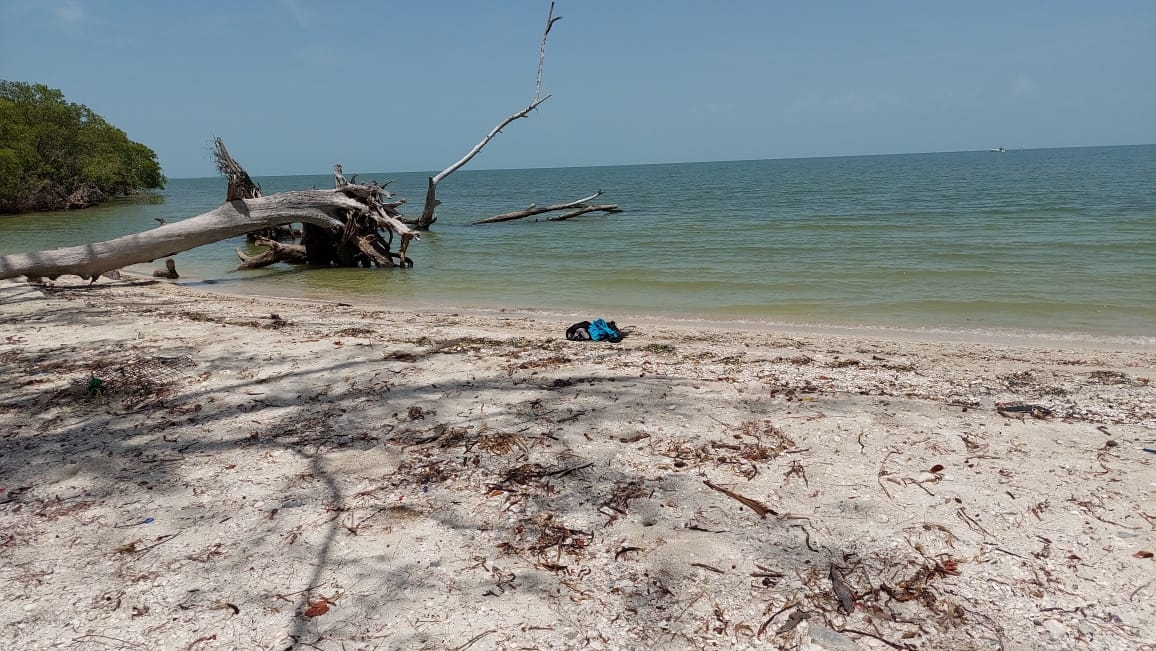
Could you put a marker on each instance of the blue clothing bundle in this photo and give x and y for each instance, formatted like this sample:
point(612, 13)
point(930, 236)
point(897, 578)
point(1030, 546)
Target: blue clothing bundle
point(596, 330)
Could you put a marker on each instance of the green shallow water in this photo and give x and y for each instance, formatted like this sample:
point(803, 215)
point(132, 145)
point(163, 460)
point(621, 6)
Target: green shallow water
point(1058, 241)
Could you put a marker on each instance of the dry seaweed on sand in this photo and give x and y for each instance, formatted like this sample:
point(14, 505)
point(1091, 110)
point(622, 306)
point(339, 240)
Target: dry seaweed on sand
point(560, 500)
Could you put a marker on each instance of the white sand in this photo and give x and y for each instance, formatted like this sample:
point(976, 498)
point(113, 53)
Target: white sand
point(454, 481)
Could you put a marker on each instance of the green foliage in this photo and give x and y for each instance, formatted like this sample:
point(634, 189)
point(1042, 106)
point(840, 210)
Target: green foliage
point(56, 155)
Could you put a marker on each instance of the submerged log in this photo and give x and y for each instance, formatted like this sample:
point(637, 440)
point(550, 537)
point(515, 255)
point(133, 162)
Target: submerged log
point(573, 208)
point(275, 252)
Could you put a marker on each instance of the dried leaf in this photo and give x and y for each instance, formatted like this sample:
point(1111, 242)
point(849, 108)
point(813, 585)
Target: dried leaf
point(842, 591)
point(793, 620)
point(317, 608)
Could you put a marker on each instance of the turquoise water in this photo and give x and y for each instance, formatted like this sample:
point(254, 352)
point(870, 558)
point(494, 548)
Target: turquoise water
point(1056, 241)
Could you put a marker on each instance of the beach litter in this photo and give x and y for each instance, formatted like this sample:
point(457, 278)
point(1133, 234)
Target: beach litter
point(596, 330)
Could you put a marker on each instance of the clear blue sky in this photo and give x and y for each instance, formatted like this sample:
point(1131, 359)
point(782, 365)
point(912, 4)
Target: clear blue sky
point(296, 85)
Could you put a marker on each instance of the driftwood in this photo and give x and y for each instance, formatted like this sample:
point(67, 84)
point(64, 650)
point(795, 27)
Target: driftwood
point(344, 224)
point(170, 270)
point(427, 214)
point(573, 209)
point(275, 252)
point(228, 220)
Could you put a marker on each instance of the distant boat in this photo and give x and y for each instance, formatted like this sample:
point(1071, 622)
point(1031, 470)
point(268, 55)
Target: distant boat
point(998, 149)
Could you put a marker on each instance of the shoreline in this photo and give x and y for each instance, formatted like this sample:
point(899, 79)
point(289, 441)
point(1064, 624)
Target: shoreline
point(266, 472)
point(931, 334)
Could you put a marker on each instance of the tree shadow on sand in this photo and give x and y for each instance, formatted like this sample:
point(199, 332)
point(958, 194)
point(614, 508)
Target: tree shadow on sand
point(358, 500)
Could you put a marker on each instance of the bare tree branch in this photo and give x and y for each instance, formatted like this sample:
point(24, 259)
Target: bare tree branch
point(427, 214)
point(240, 185)
point(550, 20)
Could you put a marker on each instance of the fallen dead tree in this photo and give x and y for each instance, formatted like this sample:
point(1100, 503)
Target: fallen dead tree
point(573, 209)
point(343, 226)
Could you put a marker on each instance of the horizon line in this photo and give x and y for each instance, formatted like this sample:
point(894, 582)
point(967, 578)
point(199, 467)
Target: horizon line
point(698, 162)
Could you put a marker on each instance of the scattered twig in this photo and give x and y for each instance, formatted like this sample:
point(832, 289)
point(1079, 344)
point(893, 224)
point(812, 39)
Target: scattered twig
point(285, 597)
point(879, 475)
point(626, 550)
point(356, 526)
point(793, 620)
point(475, 639)
point(1137, 590)
point(1019, 410)
point(1004, 551)
point(203, 638)
point(761, 509)
point(564, 471)
point(223, 605)
point(688, 606)
point(797, 470)
point(708, 567)
point(806, 537)
point(125, 644)
point(131, 548)
point(893, 645)
point(1087, 506)
point(787, 606)
point(961, 513)
point(766, 572)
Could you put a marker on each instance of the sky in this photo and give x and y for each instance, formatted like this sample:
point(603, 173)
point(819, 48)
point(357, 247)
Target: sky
point(293, 86)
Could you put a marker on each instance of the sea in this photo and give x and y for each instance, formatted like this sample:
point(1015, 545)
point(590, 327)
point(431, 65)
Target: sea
point(1033, 243)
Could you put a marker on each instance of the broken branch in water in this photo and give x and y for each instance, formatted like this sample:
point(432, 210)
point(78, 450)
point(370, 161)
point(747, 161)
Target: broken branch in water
point(574, 208)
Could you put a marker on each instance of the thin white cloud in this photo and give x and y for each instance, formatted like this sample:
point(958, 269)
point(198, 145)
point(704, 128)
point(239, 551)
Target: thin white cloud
point(1026, 87)
point(297, 11)
point(70, 14)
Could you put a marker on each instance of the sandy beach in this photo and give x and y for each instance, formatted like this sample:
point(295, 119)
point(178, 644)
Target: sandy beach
point(182, 470)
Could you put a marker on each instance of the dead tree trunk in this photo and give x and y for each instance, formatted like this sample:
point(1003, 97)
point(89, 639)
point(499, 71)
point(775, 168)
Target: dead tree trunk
point(345, 225)
point(231, 219)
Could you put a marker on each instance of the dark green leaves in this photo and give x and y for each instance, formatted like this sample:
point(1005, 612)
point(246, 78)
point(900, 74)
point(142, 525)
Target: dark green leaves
point(56, 155)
